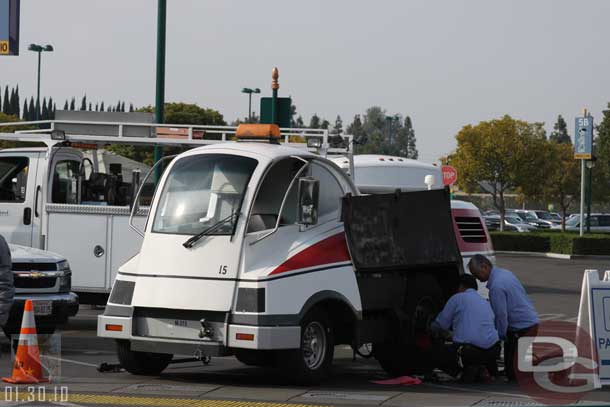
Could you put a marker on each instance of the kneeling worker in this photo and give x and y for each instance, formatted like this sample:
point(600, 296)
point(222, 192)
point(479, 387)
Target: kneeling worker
point(476, 344)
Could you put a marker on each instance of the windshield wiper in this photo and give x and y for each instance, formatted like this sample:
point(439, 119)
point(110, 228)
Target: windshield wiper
point(191, 242)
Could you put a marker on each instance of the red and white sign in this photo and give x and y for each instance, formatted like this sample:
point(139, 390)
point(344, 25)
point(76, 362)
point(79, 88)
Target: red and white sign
point(449, 175)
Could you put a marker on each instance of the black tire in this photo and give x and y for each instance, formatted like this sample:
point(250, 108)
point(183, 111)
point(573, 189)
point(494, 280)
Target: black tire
point(405, 354)
point(306, 365)
point(253, 357)
point(142, 363)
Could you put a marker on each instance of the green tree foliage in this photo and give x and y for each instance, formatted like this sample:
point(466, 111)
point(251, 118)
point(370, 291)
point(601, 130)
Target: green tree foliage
point(325, 124)
point(355, 129)
point(299, 122)
point(66, 105)
point(32, 109)
point(15, 105)
point(26, 114)
point(560, 132)
point(601, 172)
point(83, 103)
point(563, 180)
point(338, 126)
point(314, 122)
point(73, 104)
point(503, 153)
point(6, 104)
point(102, 107)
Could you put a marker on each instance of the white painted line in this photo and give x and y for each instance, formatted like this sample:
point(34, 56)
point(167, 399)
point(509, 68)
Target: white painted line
point(477, 391)
point(333, 395)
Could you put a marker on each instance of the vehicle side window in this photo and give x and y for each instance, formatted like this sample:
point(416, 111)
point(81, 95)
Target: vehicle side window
point(65, 182)
point(330, 192)
point(594, 221)
point(13, 178)
point(604, 220)
point(268, 201)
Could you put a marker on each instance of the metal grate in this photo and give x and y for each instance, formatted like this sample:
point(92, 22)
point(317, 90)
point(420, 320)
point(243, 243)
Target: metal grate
point(29, 282)
point(34, 267)
point(471, 229)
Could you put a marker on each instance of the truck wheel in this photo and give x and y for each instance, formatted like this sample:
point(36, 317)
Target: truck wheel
point(253, 357)
point(312, 362)
point(142, 363)
point(409, 352)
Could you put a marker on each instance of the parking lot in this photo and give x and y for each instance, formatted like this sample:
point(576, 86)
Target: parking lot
point(554, 285)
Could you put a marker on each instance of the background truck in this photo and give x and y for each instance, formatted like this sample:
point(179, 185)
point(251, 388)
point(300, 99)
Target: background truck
point(44, 278)
point(269, 252)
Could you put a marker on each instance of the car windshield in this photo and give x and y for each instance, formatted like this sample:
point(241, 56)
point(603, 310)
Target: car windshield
point(513, 219)
point(527, 216)
point(544, 215)
point(201, 190)
point(574, 221)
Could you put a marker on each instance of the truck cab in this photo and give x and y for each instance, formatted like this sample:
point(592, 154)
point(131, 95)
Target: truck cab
point(270, 253)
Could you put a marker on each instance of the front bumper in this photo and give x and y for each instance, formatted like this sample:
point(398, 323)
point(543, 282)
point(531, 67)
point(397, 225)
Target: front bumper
point(64, 305)
point(237, 336)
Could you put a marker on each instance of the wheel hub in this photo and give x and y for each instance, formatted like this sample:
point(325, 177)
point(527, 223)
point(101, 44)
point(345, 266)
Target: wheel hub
point(314, 345)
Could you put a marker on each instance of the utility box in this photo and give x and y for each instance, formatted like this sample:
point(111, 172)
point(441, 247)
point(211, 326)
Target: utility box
point(130, 129)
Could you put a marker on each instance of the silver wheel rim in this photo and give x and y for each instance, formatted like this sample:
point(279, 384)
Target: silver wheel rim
point(314, 345)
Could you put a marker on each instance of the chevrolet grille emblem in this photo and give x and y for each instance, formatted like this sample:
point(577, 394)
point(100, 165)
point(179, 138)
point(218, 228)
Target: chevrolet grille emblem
point(36, 274)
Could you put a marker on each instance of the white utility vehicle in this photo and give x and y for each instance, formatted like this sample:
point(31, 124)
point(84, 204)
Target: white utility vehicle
point(66, 193)
point(269, 252)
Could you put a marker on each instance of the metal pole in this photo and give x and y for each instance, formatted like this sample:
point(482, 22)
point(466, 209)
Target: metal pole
point(582, 196)
point(589, 192)
point(160, 83)
point(274, 87)
point(38, 91)
point(250, 107)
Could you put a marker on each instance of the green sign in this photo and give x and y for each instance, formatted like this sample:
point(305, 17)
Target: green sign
point(9, 27)
point(283, 111)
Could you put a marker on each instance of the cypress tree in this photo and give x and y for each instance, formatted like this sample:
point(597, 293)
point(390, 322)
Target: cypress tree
point(16, 104)
point(97, 107)
point(131, 107)
point(26, 117)
point(90, 107)
point(123, 106)
point(102, 107)
point(73, 104)
point(6, 105)
point(32, 109)
point(66, 105)
point(83, 103)
point(45, 112)
point(11, 102)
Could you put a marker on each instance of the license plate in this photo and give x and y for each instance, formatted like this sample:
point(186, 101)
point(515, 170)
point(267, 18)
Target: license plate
point(43, 307)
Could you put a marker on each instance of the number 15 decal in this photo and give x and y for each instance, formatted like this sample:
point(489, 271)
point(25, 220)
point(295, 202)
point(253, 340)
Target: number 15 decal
point(222, 270)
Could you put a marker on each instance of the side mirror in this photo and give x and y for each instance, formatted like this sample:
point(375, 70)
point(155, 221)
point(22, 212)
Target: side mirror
point(135, 187)
point(308, 197)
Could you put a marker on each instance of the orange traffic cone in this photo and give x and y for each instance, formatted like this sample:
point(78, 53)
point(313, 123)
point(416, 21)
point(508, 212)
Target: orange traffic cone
point(27, 369)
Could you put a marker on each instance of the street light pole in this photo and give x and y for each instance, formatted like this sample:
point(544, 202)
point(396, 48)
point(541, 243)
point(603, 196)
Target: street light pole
point(160, 82)
point(250, 91)
point(39, 49)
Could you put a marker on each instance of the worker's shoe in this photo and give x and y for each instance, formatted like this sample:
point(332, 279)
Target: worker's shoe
point(469, 374)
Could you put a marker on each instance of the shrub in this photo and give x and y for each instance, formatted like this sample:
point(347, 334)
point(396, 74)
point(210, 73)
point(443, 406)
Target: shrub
point(562, 243)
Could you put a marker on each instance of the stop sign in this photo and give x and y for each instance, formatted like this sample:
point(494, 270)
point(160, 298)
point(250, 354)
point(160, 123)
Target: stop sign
point(449, 175)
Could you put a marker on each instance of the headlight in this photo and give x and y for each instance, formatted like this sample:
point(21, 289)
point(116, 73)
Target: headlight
point(63, 265)
point(65, 282)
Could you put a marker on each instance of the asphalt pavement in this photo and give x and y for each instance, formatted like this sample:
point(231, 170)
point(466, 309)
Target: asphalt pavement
point(75, 352)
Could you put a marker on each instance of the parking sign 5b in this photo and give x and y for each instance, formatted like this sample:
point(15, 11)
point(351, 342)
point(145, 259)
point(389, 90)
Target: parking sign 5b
point(583, 138)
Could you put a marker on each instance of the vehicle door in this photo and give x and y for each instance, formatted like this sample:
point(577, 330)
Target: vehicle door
point(604, 223)
point(274, 250)
point(18, 196)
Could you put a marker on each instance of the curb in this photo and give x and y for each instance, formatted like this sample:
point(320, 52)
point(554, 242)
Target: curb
point(555, 255)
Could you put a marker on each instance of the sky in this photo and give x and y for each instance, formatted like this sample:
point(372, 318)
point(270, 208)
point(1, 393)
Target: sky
point(445, 63)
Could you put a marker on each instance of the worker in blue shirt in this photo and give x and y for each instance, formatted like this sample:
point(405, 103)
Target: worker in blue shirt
point(476, 344)
point(515, 314)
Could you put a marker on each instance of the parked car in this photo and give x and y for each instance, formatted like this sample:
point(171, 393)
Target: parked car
point(511, 223)
point(532, 218)
point(46, 279)
point(600, 222)
point(556, 217)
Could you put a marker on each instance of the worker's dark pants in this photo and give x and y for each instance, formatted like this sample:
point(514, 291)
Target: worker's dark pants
point(452, 358)
point(510, 349)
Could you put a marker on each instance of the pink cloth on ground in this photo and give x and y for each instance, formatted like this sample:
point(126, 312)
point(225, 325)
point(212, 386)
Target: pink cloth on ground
point(404, 380)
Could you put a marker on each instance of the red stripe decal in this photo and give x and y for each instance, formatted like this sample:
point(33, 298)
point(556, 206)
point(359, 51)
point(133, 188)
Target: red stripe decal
point(327, 251)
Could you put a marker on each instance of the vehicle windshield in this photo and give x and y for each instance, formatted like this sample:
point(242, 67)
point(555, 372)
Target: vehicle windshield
point(200, 191)
point(544, 215)
point(574, 221)
point(527, 216)
point(513, 219)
